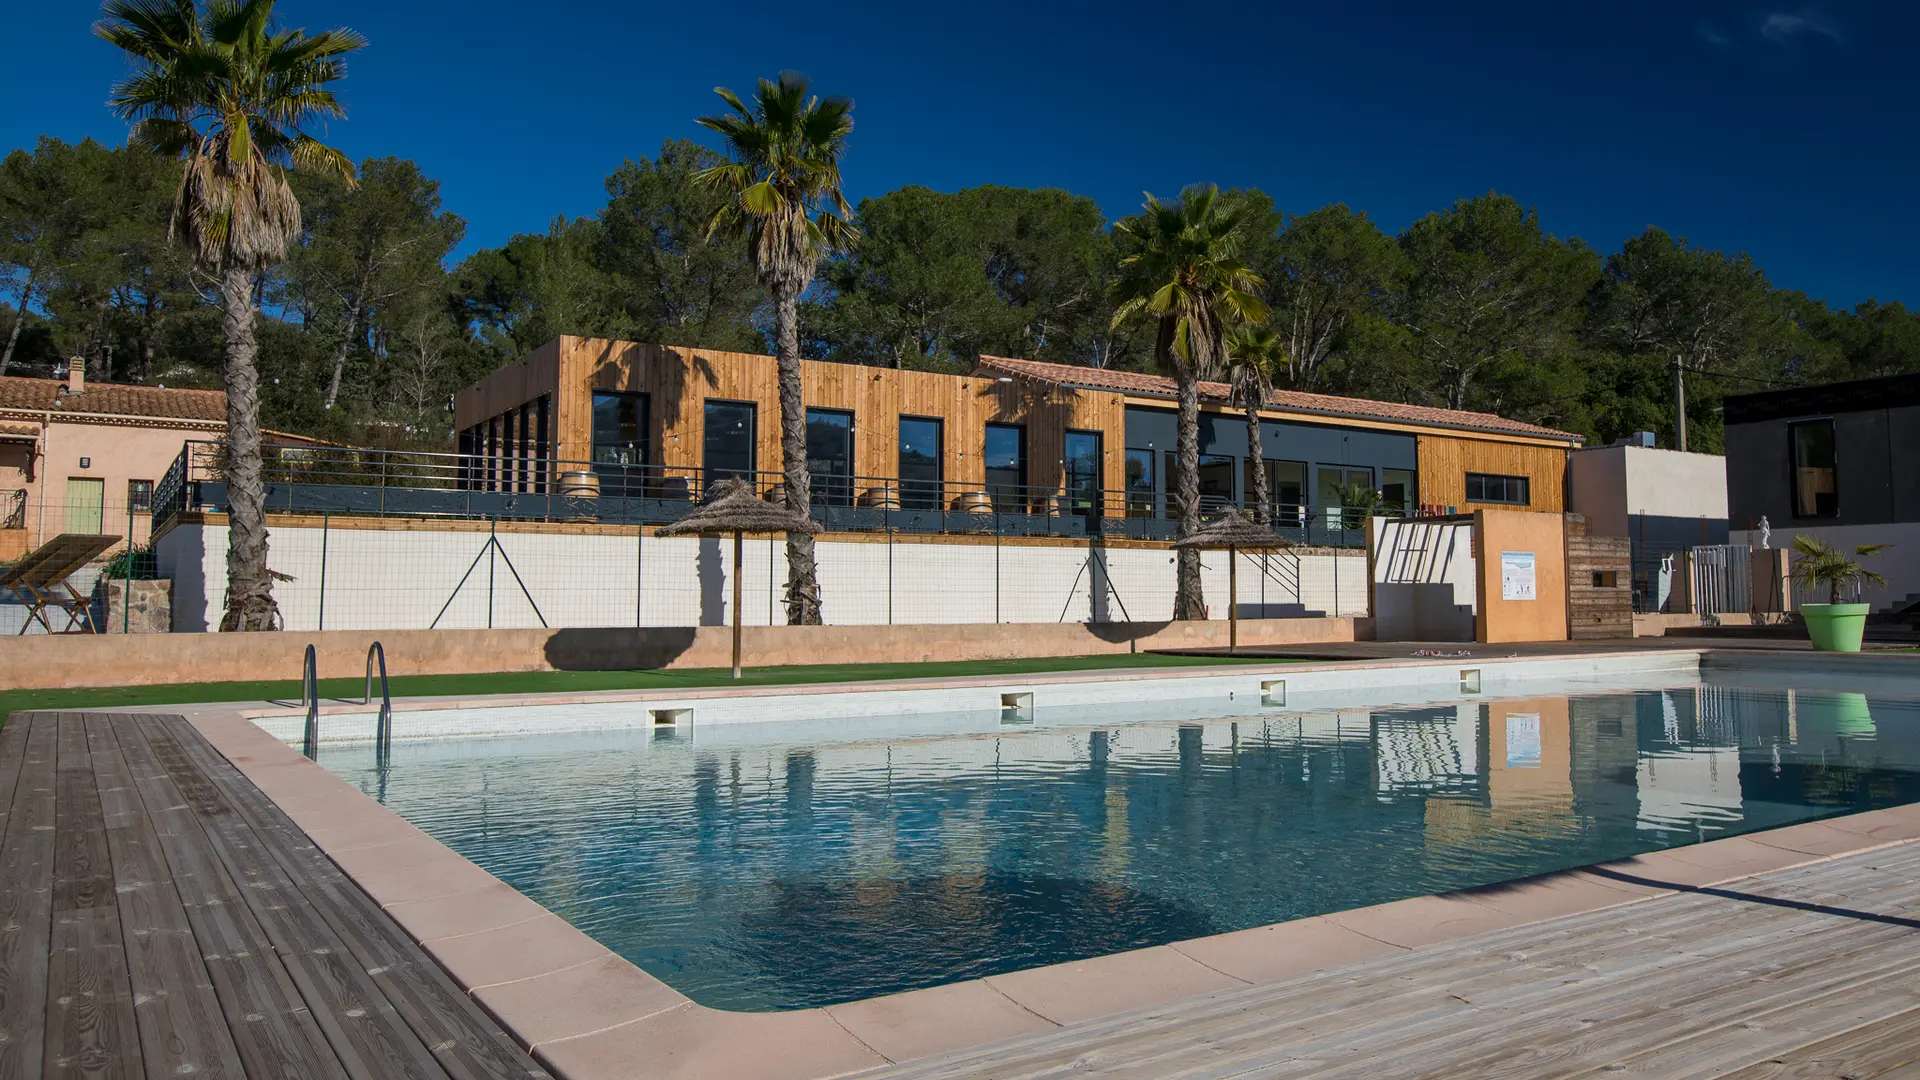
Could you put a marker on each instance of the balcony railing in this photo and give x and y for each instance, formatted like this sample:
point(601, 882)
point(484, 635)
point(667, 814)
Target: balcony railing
point(343, 481)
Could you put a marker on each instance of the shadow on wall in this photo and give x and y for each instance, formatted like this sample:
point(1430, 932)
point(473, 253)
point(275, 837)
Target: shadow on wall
point(606, 649)
point(1129, 634)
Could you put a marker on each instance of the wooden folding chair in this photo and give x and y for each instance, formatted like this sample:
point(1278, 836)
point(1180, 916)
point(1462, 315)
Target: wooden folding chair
point(43, 574)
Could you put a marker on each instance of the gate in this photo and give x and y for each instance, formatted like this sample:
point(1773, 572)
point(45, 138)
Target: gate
point(1722, 579)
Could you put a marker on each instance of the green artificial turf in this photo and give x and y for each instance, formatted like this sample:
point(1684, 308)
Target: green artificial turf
point(533, 682)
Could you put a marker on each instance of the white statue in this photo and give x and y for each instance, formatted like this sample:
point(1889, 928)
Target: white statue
point(1766, 533)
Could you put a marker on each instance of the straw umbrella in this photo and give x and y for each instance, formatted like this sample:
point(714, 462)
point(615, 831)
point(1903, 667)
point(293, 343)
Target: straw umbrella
point(1233, 530)
point(732, 507)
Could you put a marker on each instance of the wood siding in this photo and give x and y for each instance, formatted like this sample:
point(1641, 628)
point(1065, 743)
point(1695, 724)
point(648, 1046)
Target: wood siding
point(1445, 461)
point(678, 382)
point(1596, 608)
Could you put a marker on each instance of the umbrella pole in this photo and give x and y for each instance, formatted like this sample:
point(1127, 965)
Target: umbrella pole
point(739, 545)
point(1233, 601)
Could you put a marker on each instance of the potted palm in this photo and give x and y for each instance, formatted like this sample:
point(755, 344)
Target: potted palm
point(1834, 626)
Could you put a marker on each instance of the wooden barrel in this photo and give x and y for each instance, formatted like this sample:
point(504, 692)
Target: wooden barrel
point(974, 502)
point(880, 498)
point(580, 484)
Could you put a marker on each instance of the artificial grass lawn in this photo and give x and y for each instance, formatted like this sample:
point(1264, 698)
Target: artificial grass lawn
point(533, 682)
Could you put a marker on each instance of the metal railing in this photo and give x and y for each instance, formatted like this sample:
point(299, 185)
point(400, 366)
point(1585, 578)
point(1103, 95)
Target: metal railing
point(13, 509)
point(310, 697)
point(383, 728)
point(383, 483)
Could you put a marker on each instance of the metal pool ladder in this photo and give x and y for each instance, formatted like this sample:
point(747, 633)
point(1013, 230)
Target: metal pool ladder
point(310, 697)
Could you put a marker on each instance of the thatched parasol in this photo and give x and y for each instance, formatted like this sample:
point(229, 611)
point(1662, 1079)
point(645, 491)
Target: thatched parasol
point(1233, 530)
point(732, 507)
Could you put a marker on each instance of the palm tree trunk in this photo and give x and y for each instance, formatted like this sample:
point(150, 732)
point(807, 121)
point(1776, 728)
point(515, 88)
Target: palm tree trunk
point(250, 603)
point(803, 576)
point(1257, 463)
point(1189, 600)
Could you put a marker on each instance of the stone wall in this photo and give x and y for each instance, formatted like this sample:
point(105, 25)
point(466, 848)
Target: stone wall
point(149, 612)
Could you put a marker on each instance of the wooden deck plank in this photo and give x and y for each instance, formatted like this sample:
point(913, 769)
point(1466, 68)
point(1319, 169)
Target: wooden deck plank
point(182, 1030)
point(1869, 1051)
point(26, 898)
point(273, 1031)
point(91, 1030)
point(467, 1042)
point(1747, 977)
point(364, 1029)
point(13, 740)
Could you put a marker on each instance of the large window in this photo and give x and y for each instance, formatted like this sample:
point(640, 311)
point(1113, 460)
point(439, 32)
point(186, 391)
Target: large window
point(727, 441)
point(140, 496)
point(1341, 487)
point(1816, 488)
point(830, 455)
point(1398, 491)
point(920, 473)
point(1080, 472)
point(1140, 482)
point(1006, 457)
point(620, 446)
point(1286, 490)
point(1488, 488)
point(1216, 482)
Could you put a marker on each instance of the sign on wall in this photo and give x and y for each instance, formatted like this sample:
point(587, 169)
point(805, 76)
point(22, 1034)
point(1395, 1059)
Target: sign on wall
point(1516, 575)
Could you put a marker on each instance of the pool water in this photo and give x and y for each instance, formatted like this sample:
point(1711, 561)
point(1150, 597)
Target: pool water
point(758, 874)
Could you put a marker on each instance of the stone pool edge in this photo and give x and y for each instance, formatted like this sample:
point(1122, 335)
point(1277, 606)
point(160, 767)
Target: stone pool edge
point(586, 1013)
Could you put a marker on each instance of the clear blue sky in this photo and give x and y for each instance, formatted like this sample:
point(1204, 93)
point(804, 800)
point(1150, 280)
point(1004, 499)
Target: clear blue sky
point(1777, 128)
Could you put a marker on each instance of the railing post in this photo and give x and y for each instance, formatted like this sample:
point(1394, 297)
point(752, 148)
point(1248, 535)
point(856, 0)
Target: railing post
point(492, 544)
point(324, 530)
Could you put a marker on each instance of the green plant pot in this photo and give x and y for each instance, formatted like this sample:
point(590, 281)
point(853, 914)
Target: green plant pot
point(1835, 627)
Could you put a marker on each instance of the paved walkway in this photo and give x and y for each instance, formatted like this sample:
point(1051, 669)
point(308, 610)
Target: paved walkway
point(159, 917)
point(1808, 972)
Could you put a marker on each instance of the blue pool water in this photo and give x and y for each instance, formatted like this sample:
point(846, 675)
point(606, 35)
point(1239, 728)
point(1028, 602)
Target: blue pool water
point(755, 873)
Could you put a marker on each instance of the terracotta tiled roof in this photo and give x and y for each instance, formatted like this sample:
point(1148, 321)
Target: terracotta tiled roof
point(1133, 382)
point(112, 399)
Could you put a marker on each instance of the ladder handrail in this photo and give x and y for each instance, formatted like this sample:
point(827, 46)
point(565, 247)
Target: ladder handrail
point(383, 732)
point(310, 697)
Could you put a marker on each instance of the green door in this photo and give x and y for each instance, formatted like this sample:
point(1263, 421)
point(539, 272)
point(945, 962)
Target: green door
point(85, 497)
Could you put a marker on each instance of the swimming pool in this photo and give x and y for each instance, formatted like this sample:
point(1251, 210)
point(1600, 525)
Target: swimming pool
point(781, 866)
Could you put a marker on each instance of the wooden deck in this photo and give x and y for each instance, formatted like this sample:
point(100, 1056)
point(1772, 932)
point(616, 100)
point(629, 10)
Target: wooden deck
point(1809, 972)
point(159, 917)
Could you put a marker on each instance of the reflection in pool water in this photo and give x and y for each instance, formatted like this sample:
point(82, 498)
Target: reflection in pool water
point(758, 875)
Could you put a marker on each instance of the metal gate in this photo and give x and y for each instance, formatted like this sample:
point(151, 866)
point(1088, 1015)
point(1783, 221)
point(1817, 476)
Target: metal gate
point(1722, 579)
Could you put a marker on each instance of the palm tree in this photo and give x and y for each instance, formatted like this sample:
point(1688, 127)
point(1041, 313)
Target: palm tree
point(1183, 269)
point(1255, 353)
point(228, 92)
point(1819, 563)
point(783, 192)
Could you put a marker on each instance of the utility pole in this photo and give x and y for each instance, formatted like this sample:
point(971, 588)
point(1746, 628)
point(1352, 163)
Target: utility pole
point(1679, 406)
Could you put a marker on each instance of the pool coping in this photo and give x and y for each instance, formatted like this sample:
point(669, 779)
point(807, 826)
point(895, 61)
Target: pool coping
point(586, 1013)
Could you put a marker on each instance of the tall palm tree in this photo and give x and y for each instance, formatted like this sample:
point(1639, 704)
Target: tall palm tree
point(1254, 353)
point(1183, 269)
point(229, 92)
point(783, 189)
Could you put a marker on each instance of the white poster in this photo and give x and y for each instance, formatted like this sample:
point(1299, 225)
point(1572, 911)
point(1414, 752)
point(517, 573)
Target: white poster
point(1516, 575)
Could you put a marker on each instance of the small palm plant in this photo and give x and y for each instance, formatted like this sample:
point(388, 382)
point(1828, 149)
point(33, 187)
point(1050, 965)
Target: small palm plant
point(1359, 502)
point(1820, 563)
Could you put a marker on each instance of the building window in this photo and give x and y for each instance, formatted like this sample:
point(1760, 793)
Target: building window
point(920, 473)
point(1080, 472)
point(621, 447)
point(1140, 483)
point(1216, 482)
point(1398, 490)
point(1006, 456)
point(1342, 488)
point(727, 440)
point(140, 496)
point(1488, 488)
point(830, 455)
point(1286, 489)
point(542, 446)
point(1816, 489)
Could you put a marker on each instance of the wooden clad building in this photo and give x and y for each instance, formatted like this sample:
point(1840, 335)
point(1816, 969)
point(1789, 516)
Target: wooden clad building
point(1103, 438)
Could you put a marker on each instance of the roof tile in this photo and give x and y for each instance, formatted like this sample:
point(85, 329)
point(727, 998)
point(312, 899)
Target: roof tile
point(1133, 382)
point(112, 399)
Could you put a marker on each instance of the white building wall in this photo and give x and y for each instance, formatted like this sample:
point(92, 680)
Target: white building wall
point(1609, 484)
point(456, 578)
point(1899, 564)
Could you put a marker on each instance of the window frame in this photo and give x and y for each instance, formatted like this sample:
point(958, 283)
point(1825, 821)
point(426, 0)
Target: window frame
point(1525, 483)
point(838, 488)
point(1007, 502)
point(708, 475)
point(139, 506)
point(1793, 467)
point(920, 494)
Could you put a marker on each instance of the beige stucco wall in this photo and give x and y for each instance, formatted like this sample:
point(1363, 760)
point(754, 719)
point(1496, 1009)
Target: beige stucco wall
point(115, 453)
point(80, 661)
point(1544, 618)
